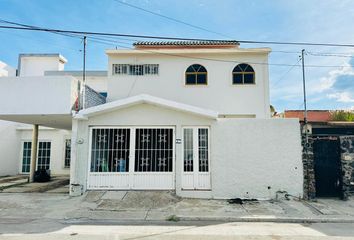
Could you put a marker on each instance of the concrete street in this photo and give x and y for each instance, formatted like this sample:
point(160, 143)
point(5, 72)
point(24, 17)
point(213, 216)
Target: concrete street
point(49, 229)
point(162, 215)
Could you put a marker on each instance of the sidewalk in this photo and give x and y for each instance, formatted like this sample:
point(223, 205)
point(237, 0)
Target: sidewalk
point(116, 206)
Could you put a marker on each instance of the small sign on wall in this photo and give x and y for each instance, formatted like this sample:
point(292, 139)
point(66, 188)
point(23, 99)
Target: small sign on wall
point(178, 141)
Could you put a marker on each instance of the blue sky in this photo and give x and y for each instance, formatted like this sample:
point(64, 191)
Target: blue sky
point(273, 20)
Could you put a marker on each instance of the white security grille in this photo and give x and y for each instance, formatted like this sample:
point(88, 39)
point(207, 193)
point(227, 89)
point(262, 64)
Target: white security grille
point(44, 149)
point(203, 150)
point(154, 150)
point(110, 150)
point(135, 69)
point(188, 149)
point(196, 166)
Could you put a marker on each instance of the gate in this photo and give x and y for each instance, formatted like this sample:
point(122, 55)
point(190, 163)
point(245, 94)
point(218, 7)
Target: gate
point(327, 167)
point(126, 158)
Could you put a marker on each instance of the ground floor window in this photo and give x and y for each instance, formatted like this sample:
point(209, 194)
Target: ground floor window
point(43, 161)
point(110, 149)
point(43, 155)
point(67, 153)
point(153, 150)
point(195, 149)
point(26, 157)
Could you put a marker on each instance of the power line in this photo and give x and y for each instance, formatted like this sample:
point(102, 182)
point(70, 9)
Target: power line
point(113, 43)
point(171, 18)
point(287, 72)
point(173, 38)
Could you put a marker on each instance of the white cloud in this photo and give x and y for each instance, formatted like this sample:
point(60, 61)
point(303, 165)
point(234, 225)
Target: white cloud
point(327, 82)
point(344, 97)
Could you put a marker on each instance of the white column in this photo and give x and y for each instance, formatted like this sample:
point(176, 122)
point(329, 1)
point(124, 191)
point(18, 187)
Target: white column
point(34, 152)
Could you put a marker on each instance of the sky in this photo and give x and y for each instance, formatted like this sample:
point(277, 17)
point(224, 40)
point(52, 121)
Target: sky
point(329, 75)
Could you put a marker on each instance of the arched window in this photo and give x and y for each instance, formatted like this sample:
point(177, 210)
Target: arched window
point(196, 75)
point(243, 74)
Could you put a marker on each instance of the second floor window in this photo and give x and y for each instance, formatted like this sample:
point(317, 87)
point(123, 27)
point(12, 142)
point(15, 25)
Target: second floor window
point(135, 69)
point(196, 75)
point(243, 74)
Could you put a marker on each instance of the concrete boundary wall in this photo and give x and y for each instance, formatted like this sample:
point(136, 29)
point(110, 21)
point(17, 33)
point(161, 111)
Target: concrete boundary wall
point(249, 158)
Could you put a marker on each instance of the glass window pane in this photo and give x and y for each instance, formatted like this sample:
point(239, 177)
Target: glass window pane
point(248, 78)
point(188, 149)
point(237, 78)
point(190, 79)
point(201, 79)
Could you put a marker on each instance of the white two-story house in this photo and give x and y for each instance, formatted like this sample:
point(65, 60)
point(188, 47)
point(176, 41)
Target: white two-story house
point(193, 117)
point(188, 116)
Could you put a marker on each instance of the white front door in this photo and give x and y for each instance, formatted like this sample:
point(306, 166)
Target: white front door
point(196, 158)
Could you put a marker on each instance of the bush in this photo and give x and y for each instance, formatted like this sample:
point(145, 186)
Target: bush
point(342, 115)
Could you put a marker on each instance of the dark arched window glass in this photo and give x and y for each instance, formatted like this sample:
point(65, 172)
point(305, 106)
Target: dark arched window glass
point(243, 74)
point(196, 75)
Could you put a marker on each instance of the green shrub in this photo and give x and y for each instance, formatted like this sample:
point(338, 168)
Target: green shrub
point(342, 115)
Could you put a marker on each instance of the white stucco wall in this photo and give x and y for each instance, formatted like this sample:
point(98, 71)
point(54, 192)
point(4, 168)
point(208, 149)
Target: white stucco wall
point(9, 148)
point(57, 138)
point(37, 95)
point(247, 155)
point(36, 64)
point(219, 95)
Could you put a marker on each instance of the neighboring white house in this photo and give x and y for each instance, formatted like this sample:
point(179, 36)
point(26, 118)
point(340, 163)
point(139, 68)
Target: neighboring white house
point(54, 144)
point(189, 116)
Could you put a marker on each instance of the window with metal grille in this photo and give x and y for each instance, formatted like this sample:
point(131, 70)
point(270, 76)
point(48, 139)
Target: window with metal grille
point(43, 156)
point(154, 150)
point(26, 157)
point(188, 149)
point(135, 69)
point(203, 149)
point(43, 161)
point(196, 75)
point(67, 153)
point(195, 148)
point(120, 69)
point(243, 74)
point(110, 150)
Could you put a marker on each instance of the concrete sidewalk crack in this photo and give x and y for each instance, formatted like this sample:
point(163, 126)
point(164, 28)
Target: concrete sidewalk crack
point(147, 213)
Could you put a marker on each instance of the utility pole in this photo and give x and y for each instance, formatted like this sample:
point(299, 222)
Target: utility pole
point(84, 75)
point(304, 89)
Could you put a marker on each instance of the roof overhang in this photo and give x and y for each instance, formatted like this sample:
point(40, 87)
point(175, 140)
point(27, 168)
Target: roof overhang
point(144, 98)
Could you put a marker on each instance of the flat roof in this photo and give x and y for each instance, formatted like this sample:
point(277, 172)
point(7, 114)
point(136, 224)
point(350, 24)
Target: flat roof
point(61, 57)
point(95, 73)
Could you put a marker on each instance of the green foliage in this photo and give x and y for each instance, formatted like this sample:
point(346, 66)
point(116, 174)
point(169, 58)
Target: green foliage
point(173, 218)
point(342, 115)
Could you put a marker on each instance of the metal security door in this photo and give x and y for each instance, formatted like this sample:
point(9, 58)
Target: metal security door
point(327, 167)
point(140, 158)
point(196, 158)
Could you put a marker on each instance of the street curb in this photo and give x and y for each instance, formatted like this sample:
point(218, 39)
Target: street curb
point(210, 219)
point(275, 220)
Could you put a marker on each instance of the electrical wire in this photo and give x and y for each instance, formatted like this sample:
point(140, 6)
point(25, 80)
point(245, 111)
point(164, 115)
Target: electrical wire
point(171, 18)
point(174, 38)
point(287, 72)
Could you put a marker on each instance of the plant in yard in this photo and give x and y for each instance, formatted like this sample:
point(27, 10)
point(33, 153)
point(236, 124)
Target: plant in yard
point(342, 115)
point(173, 218)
